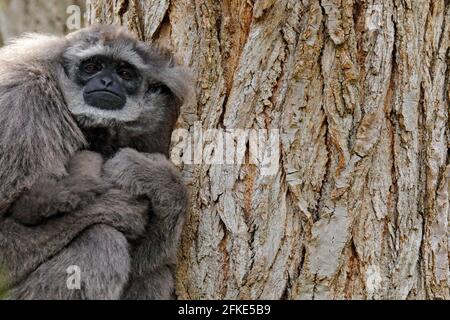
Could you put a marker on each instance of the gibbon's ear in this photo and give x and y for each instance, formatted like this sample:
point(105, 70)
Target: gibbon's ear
point(179, 80)
point(37, 133)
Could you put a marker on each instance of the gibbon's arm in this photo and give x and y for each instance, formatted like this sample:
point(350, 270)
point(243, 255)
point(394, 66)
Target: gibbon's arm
point(38, 135)
point(50, 196)
point(156, 178)
point(23, 249)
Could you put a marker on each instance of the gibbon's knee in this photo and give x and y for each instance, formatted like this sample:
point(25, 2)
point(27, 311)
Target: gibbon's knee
point(94, 266)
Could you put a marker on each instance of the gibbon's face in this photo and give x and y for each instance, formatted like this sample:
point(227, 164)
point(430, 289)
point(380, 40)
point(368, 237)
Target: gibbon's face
point(121, 91)
point(107, 82)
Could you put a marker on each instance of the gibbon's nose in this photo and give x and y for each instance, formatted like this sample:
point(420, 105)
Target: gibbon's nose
point(106, 81)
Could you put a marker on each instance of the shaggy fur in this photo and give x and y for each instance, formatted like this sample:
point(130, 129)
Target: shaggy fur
point(116, 210)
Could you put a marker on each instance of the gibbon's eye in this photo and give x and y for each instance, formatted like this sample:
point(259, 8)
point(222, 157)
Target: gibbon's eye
point(126, 72)
point(92, 67)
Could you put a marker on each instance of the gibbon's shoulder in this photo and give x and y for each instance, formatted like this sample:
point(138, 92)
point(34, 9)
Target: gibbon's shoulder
point(37, 133)
point(33, 47)
point(30, 61)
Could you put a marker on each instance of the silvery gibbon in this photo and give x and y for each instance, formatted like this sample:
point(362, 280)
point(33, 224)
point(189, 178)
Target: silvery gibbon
point(85, 180)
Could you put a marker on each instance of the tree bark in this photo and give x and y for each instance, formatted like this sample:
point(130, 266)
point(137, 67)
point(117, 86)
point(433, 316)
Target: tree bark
point(359, 207)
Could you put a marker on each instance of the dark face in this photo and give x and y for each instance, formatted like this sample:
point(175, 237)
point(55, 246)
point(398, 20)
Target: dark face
point(107, 82)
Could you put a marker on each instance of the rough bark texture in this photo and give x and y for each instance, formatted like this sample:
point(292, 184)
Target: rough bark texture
point(359, 207)
point(48, 16)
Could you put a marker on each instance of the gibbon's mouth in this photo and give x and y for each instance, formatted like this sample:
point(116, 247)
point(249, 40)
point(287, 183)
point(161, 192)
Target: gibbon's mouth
point(104, 92)
point(104, 99)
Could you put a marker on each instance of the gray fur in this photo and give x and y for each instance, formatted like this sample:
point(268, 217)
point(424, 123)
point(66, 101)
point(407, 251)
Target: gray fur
point(156, 178)
point(119, 220)
point(51, 195)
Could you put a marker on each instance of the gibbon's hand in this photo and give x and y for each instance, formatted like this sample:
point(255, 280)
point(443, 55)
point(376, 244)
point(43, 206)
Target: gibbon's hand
point(149, 175)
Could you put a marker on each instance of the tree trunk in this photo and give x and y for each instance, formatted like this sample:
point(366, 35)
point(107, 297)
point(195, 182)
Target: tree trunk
point(359, 205)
